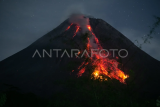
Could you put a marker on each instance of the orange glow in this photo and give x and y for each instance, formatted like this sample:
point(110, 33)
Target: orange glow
point(78, 53)
point(104, 66)
point(89, 27)
point(69, 26)
point(77, 29)
point(96, 73)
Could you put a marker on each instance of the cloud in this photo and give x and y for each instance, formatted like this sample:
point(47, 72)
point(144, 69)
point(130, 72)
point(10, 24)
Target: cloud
point(77, 8)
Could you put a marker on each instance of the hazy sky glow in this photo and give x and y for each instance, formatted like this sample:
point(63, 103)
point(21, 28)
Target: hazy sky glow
point(24, 21)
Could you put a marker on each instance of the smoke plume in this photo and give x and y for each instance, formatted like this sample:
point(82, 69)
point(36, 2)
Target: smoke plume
point(80, 20)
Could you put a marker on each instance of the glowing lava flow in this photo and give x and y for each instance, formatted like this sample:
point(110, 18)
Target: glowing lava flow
point(77, 29)
point(104, 66)
point(69, 26)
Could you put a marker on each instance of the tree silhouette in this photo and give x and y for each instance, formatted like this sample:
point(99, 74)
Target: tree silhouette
point(146, 39)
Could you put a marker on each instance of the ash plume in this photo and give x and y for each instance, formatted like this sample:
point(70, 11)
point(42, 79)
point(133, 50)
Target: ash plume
point(80, 20)
point(83, 21)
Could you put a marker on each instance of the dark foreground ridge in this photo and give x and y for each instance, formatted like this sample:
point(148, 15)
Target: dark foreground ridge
point(40, 76)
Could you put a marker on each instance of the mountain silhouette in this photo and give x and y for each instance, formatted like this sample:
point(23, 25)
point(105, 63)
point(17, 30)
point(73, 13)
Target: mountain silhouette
point(39, 74)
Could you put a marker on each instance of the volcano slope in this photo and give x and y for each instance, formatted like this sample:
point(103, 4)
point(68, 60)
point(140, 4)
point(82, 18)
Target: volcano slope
point(39, 74)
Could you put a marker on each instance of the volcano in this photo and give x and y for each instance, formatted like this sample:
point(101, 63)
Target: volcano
point(36, 68)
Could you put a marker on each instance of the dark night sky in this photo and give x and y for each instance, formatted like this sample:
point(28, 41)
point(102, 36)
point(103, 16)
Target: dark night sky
point(24, 21)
